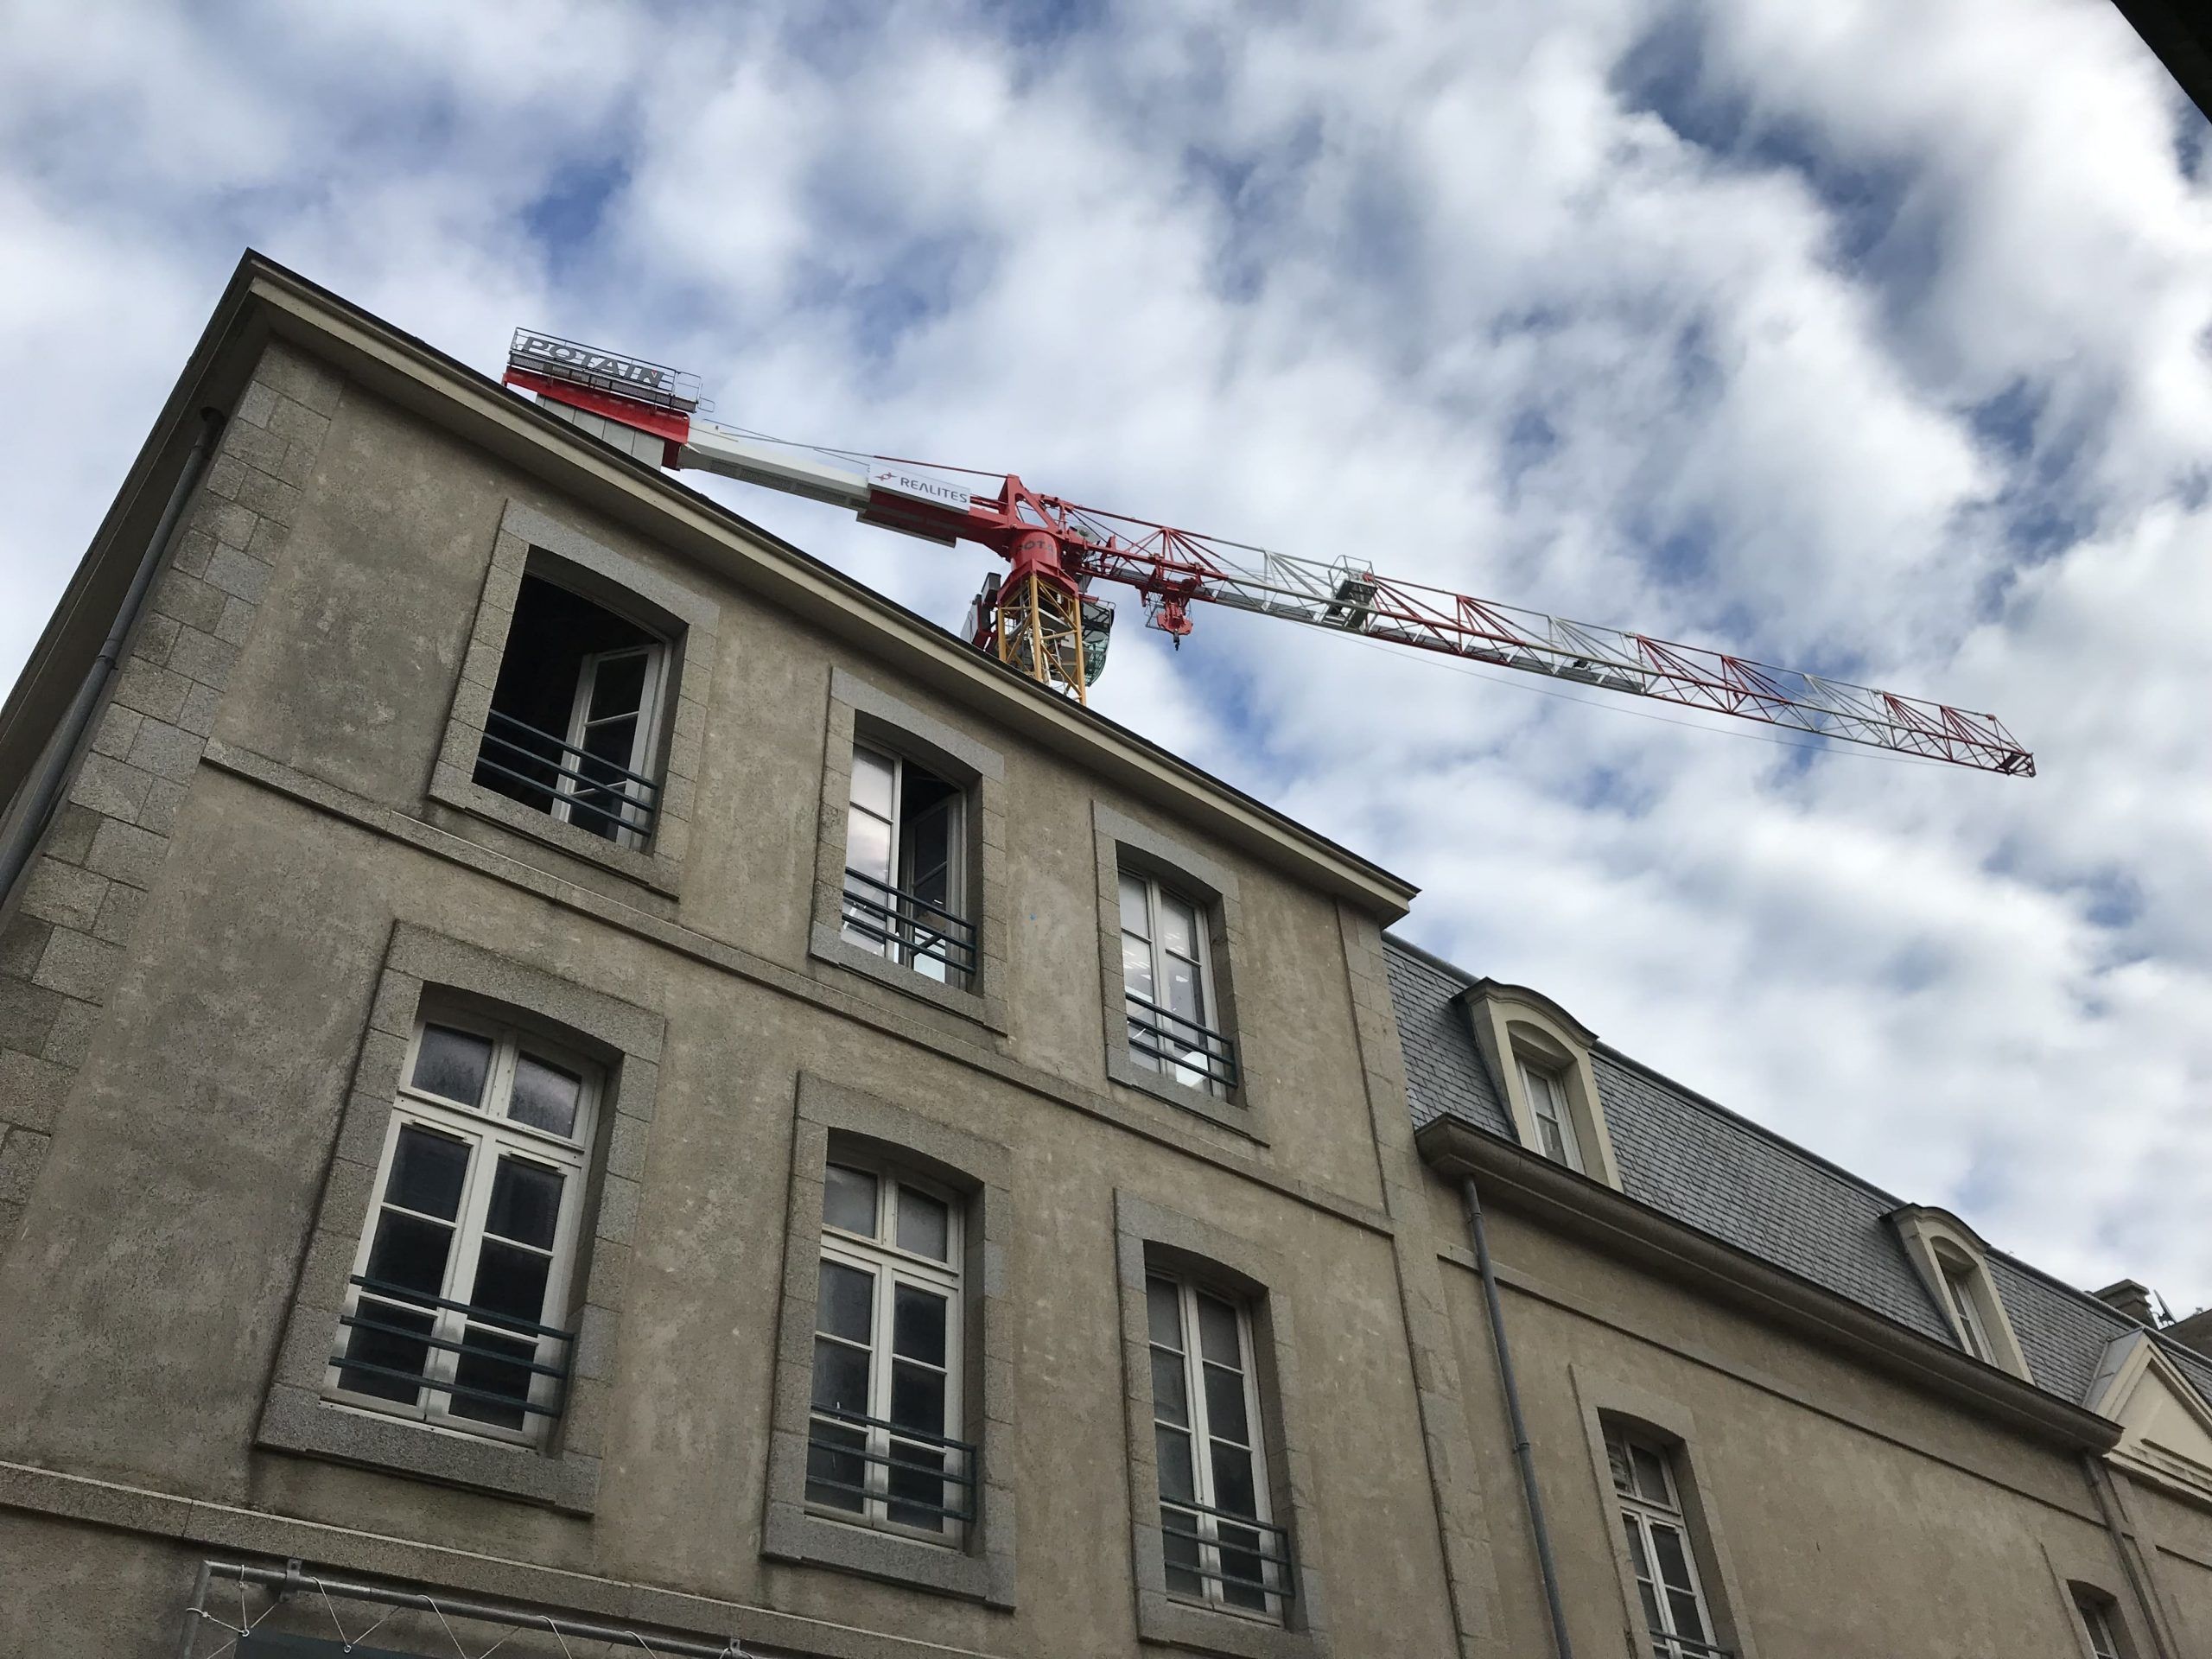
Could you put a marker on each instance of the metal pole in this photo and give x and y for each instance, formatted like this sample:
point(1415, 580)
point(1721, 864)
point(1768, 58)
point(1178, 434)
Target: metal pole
point(44, 789)
point(278, 1578)
point(184, 1642)
point(1521, 1453)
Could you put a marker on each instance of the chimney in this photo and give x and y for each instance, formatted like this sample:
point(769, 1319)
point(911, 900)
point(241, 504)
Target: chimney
point(2131, 1299)
point(2195, 1332)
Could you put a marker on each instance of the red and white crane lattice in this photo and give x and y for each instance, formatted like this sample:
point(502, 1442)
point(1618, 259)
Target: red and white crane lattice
point(1040, 619)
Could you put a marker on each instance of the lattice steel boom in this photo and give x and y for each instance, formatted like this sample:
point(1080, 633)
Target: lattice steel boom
point(1040, 619)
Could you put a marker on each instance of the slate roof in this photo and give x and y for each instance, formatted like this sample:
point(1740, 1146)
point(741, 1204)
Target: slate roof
point(1706, 1166)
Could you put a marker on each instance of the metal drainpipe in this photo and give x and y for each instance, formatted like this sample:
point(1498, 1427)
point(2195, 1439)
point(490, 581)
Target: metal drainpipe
point(1522, 1454)
point(44, 789)
point(2124, 1545)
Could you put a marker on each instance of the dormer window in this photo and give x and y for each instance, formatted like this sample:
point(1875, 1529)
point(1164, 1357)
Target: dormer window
point(1538, 1054)
point(1954, 1264)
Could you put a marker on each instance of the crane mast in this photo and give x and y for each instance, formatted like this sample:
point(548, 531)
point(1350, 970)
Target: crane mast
point(1040, 618)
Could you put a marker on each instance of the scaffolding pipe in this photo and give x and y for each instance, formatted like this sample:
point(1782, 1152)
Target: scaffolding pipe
point(44, 790)
point(294, 1579)
point(1522, 1454)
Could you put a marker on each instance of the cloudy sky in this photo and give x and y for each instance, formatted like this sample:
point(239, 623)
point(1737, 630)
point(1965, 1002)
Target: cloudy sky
point(1869, 338)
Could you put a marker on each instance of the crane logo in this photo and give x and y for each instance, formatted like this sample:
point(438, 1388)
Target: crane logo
point(586, 365)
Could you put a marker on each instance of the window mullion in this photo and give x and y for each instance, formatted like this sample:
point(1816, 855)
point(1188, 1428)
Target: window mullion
point(876, 1477)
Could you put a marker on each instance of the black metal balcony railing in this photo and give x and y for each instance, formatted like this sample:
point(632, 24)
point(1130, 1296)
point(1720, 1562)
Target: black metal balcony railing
point(910, 924)
point(1240, 1538)
point(1664, 1646)
point(1181, 1044)
point(378, 1296)
point(961, 1470)
point(602, 797)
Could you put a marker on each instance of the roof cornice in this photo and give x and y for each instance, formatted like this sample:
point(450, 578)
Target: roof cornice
point(265, 299)
point(1516, 1178)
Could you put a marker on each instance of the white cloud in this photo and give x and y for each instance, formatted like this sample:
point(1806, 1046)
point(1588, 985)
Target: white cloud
point(1475, 294)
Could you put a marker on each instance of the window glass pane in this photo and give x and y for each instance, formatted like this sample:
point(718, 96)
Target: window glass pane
point(1243, 1575)
point(525, 1203)
point(849, 1200)
point(1689, 1619)
point(919, 1497)
point(1617, 1460)
point(1225, 1406)
point(1673, 1563)
point(1135, 917)
point(1218, 1339)
point(1137, 968)
point(1181, 996)
point(872, 783)
point(512, 1281)
point(387, 1349)
point(840, 1376)
point(1640, 1563)
point(1180, 1552)
point(834, 1465)
point(929, 855)
point(1171, 1400)
point(497, 1366)
point(868, 849)
point(1163, 1310)
point(1554, 1147)
point(1172, 1448)
point(924, 1225)
point(844, 1303)
point(410, 1253)
point(619, 688)
point(917, 1397)
point(1650, 1475)
point(1232, 1479)
point(1179, 925)
point(918, 1320)
point(611, 744)
point(545, 1095)
point(427, 1172)
point(452, 1063)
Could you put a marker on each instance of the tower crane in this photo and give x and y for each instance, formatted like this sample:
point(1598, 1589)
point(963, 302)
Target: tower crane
point(1041, 618)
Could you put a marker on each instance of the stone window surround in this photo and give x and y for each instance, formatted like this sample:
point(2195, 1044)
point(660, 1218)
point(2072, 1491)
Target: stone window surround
point(982, 1567)
point(1512, 1023)
point(860, 711)
point(1145, 1233)
point(530, 543)
point(1934, 1238)
point(2073, 1592)
point(1122, 840)
point(295, 1417)
point(1604, 1399)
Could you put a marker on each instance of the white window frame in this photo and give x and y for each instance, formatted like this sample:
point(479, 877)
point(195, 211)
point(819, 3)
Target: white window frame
point(490, 1136)
point(1210, 1016)
point(1549, 1106)
point(569, 791)
point(2097, 1627)
point(1212, 1592)
point(1960, 1285)
point(889, 1266)
point(1646, 1517)
point(901, 874)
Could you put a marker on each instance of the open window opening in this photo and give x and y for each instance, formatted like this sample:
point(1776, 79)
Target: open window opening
point(1220, 1545)
point(906, 863)
point(575, 722)
point(881, 1447)
point(1676, 1615)
point(1167, 982)
point(466, 1259)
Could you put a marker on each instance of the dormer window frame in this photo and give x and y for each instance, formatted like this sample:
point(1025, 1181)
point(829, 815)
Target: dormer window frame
point(1953, 1263)
point(1539, 1055)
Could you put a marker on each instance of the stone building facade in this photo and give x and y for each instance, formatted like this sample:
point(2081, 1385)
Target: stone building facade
point(569, 1068)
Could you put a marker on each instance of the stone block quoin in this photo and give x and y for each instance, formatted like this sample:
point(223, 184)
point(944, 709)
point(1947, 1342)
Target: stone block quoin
point(64, 937)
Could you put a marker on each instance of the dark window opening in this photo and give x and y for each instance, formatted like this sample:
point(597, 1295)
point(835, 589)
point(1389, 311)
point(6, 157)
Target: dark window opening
point(905, 851)
point(575, 718)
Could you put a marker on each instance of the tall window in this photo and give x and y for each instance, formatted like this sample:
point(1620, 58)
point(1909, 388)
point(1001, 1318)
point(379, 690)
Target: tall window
point(886, 1356)
point(904, 859)
point(1546, 1092)
point(1218, 1544)
point(1659, 1547)
point(1167, 981)
point(2098, 1624)
point(1959, 1284)
point(575, 718)
point(465, 1264)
